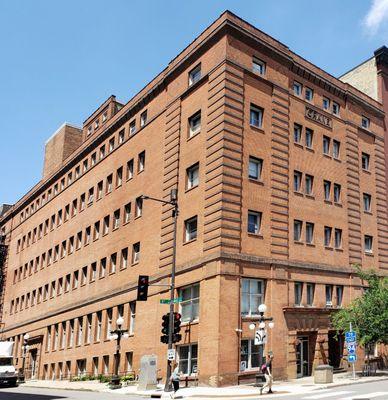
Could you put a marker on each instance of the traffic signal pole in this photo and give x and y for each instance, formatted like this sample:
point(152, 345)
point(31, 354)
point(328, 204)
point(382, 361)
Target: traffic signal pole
point(167, 386)
point(174, 202)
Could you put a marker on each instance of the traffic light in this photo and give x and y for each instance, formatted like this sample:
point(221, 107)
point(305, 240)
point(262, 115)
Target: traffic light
point(165, 327)
point(142, 288)
point(176, 336)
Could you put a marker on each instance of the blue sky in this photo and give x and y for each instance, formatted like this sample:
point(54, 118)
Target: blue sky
point(60, 59)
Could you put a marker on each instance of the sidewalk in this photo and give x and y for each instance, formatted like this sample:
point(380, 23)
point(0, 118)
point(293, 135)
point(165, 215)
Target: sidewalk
point(295, 386)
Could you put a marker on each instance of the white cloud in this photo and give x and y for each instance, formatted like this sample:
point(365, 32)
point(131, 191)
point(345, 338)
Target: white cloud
point(377, 15)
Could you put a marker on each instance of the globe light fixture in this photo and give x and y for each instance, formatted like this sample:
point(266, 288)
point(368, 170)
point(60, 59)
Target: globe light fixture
point(262, 308)
point(26, 336)
point(252, 326)
point(271, 325)
point(262, 325)
point(120, 321)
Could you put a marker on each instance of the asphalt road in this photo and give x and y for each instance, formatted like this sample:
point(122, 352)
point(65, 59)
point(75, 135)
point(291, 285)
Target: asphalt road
point(367, 391)
point(50, 394)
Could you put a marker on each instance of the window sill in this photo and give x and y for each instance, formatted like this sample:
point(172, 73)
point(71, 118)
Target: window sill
point(338, 204)
point(193, 135)
point(328, 248)
point(298, 145)
point(368, 212)
point(369, 254)
point(140, 171)
point(296, 193)
point(337, 159)
point(126, 223)
point(298, 242)
point(134, 263)
point(190, 189)
point(340, 249)
point(257, 128)
point(189, 241)
point(255, 235)
point(328, 202)
point(189, 323)
point(138, 216)
point(310, 244)
point(327, 156)
point(310, 196)
point(256, 181)
point(367, 171)
point(310, 149)
point(92, 281)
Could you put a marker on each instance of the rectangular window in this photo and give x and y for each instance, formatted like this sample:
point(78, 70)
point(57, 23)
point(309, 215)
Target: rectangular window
point(116, 219)
point(192, 176)
point(77, 172)
point(103, 267)
point(298, 291)
point(141, 162)
point(297, 230)
point(335, 108)
point(327, 190)
point(106, 223)
point(139, 207)
point(127, 213)
point(368, 244)
point(309, 232)
point(113, 263)
point(339, 292)
point(119, 176)
point(337, 238)
point(252, 295)
point(189, 306)
point(367, 201)
point(99, 190)
point(195, 124)
point(109, 180)
point(251, 356)
point(85, 165)
point(121, 136)
point(136, 253)
point(310, 289)
point(111, 144)
point(297, 87)
point(365, 122)
point(84, 275)
point(88, 328)
point(327, 233)
point(124, 258)
point(337, 192)
point(93, 272)
point(75, 280)
point(326, 145)
point(102, 152)
point(93, 158)
point(90, 195)
point(258, 66)
point(255, 168)
point(195, 75)
point(365, 161)
point(82, 202)
point(297, 181)
point(336, 149)
point(87, 235)
point(329, 295)
point(130, 169)
point(132, 317)
point(74, 208)
point(143, 118)
point(188, 359)
point(309, 94)
point(297, 133)
point(309, 138)
point(98, 326)
point(256, 116)
point(254, 222)
point(108, 323)
point(191, 229)
point(79, 240)
point(309, 182)
point(67, 282)
point(132, 127)
point(326, 103)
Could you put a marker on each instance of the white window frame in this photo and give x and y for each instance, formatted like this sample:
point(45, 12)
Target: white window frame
point(258, 66)
point(192, 174)
point(250, 295)
point(256, 116)
point(192, 302)
point(190, 359)
point(195, 124)
point(191, 229)
point(195, 74)
point(257, 216)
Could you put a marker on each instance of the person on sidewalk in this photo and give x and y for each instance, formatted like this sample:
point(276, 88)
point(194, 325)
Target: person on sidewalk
point(266, 369)
point(175, 376)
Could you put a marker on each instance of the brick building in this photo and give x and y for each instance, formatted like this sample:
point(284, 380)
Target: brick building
point(280, 174)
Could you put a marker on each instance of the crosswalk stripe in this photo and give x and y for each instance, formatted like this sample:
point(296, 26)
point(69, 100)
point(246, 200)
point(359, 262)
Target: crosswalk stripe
point(366, 396)
point(331, 394)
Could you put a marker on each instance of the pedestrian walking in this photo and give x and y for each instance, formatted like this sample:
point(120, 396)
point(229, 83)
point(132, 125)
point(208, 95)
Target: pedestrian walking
point(175, 376)
point(266, 369)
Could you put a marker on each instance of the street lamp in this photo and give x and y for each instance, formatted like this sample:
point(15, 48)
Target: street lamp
point(262, 321)
point(173, 202)
point(25, 349)
point(117, 334)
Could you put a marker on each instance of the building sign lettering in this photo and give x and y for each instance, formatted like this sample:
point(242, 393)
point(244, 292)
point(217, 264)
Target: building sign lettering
point(318, 117)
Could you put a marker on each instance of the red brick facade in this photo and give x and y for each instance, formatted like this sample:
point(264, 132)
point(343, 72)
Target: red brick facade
point(73, 239)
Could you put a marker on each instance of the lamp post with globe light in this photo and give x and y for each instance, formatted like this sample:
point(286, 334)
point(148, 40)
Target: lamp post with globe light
point(262, 323)
point(117, 334)
point(25, 349)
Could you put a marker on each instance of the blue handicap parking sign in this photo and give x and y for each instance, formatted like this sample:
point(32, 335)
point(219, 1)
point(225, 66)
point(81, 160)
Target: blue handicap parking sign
point(352, 358)
point(351, 348)
point(350, 336)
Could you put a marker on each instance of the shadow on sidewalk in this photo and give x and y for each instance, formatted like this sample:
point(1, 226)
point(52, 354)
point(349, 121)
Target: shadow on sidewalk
point(27, 396)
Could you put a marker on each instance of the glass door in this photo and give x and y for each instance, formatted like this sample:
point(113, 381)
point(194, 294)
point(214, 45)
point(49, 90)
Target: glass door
point(302, 356)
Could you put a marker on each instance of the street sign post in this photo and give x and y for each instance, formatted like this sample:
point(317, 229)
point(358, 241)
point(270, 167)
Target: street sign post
point(168, 301)
point(351, 342)
point(352, 358)
point(350, 336)
point(171, 354)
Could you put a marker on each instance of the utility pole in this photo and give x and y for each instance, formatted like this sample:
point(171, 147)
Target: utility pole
point(174, 202)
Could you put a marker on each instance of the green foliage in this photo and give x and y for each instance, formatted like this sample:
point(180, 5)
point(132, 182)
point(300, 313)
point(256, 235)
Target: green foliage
point(128, 377)
point(103, 378)
point(367, 313)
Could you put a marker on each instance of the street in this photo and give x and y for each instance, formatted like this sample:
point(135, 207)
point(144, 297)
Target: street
point(53, 394)
point(364, 391)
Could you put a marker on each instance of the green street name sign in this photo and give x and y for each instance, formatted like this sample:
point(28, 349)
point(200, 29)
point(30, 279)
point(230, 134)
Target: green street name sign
point(168, 301)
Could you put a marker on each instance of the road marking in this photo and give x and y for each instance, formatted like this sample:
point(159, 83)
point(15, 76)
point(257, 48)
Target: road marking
point(331, 394)
point(366, 396)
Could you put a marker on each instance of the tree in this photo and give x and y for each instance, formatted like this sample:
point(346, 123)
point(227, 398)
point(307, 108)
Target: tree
point(367, 313)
